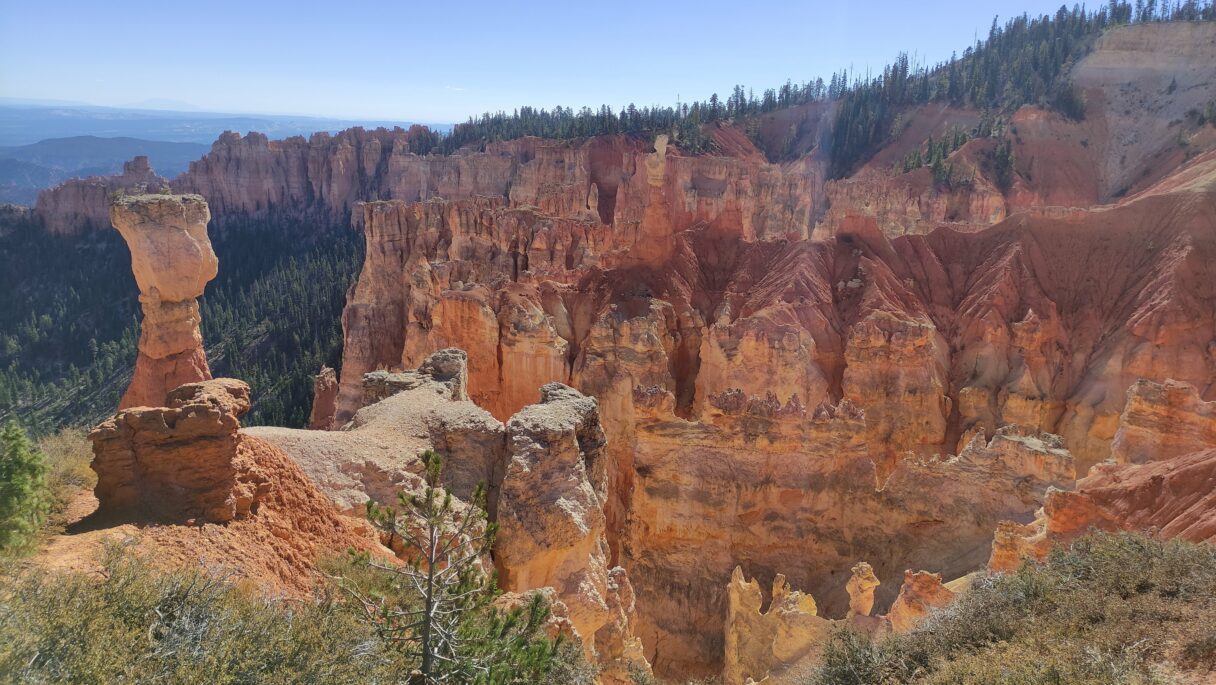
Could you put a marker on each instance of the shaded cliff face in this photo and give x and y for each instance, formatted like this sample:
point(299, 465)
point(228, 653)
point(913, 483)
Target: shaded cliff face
point(761, 392)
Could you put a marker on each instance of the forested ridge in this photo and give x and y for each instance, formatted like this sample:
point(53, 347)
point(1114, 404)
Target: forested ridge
point(1024, 60)
point(271, 317)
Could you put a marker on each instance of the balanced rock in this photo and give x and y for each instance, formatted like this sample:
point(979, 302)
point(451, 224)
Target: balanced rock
point(172, 259)
point(324, 393)
point(861, 588)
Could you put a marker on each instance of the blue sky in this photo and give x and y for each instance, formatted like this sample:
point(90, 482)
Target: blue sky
point(441, 61)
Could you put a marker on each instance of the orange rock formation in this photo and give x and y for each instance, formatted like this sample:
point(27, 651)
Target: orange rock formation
point(783, 643)
point(711, 359)
point(545, 473)
point(551, 524)
point(1164, 482)
point(173, 262)
point(324, 395)
point(184, 485)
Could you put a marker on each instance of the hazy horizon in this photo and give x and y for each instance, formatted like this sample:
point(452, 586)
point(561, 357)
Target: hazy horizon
point(419, 64)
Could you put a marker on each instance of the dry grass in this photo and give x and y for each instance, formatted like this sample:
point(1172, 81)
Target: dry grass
point(67, 455)
point(135, 624)
point(138, 626)
point(1111, 609)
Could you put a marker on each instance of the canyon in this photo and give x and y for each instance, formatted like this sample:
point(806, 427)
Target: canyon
point(733, 371)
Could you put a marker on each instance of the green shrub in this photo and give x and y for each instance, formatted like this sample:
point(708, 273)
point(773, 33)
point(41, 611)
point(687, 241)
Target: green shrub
point(24, 499)
point(137, 626)
point(451, 627)
point(1109, 609)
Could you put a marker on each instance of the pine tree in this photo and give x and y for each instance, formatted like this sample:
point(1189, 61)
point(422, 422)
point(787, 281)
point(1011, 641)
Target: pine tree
point(1002, 156)
point(24, 498)
point(447, 623)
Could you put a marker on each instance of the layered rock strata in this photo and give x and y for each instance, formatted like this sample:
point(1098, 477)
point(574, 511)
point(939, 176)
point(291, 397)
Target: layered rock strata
point(172, 259)
point(758, 390)
point(180, 461)
point(1162, 421)
point(83, 205)
point(1162, 480)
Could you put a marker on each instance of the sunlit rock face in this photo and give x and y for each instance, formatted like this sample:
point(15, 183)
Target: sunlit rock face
point(551, 520)
point(1160, 480)
point(791, 374)
point(543, 473)
point(781, 403)
point(81, 205)
point(1161, 421)
point(324, 397)
point(180, 482)
point(172, 259)
point(781, 642)
point(181, 459)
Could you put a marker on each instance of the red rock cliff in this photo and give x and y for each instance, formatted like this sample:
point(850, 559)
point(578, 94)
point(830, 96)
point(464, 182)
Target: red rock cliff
point(710, 342)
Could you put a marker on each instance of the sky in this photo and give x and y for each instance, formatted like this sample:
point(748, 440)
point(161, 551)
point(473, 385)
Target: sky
point(441, 61)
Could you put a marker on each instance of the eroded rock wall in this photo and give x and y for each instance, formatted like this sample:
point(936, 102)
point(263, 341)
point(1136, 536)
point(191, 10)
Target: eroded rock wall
point(551, 525)
point(82, 205)
point(761, 391)
point(545, 479)
point(1162, 480)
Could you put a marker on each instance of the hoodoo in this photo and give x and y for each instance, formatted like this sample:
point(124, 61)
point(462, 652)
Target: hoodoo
point(173, 261)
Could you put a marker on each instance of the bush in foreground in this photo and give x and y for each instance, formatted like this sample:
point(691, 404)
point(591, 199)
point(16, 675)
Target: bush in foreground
point(137, 625)
point(1110, 609)
point(67, 455)
point(24, 498)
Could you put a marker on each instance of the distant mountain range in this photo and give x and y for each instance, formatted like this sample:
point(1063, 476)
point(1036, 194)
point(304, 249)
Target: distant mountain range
point(23, 124)
point(26, 169)
point(45, 143)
